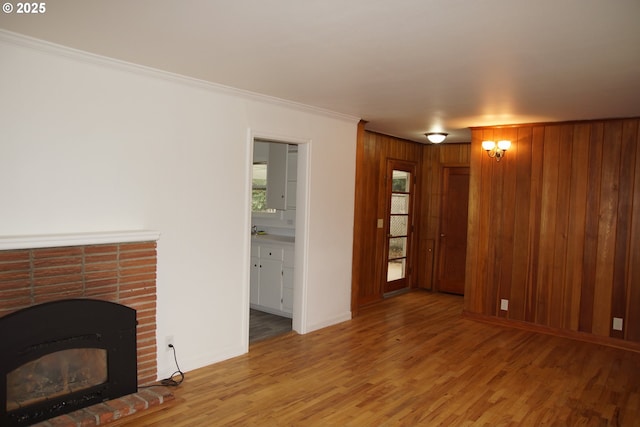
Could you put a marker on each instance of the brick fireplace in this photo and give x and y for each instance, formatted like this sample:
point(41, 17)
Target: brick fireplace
point(121, 271)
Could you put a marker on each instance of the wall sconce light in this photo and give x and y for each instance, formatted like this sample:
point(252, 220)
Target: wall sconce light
point(496, 150)
point(436, 137)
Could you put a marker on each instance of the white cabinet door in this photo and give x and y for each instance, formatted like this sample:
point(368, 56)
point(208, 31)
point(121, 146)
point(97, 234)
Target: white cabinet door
point(287, 280)
point(254, 281)
point(291, 194)
point(277, 177)
point(271, 283)
point(271, 279)
point(271, 252)
point(292, 165)
point(292, 178)
point(287, 290)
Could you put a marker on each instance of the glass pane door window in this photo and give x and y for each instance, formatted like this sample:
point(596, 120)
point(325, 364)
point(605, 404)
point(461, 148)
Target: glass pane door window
point(399, 225)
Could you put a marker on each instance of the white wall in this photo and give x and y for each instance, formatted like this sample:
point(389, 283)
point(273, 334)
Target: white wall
point(89, 144)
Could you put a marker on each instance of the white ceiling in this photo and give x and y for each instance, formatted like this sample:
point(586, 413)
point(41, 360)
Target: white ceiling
point(405, 66)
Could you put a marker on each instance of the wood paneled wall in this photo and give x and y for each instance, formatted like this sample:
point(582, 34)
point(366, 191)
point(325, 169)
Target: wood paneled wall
point(373, 151)
point(554, 227)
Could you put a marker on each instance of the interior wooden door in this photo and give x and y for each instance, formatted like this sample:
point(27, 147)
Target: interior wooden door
point(453, 230)
point(400, 195)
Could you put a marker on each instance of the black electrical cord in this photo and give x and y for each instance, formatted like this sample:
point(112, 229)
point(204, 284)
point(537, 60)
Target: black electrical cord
point(170, 381)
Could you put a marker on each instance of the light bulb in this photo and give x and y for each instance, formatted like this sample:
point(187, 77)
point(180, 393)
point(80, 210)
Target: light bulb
point(504, 145)
point(488, 145)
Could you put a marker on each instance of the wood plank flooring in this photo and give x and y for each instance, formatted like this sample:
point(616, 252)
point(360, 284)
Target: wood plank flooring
point(412, 360)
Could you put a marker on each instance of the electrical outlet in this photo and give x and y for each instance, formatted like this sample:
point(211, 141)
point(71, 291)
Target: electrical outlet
point(168, 342)
point(617, 323)
point(504, 304)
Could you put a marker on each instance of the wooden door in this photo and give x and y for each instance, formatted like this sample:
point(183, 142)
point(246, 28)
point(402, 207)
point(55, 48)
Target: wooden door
point(400, 194)
point(453, 230)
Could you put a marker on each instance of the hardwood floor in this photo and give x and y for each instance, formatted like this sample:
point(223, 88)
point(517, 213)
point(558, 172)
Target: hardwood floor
point(412, 360)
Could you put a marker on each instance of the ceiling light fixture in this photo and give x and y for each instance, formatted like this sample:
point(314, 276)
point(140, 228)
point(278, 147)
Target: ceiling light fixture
point(436, 137)
point(496, 150)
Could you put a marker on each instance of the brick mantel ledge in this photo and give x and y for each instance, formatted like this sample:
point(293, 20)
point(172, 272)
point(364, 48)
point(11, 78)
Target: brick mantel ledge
point(76, 239)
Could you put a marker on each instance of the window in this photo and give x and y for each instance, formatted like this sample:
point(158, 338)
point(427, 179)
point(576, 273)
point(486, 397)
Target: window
point(259, 189)
point(398, 225)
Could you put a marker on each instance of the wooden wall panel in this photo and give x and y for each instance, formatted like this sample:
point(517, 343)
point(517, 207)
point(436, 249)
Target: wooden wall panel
point(575, 235)
point(607, 222)
point(474, 286)
point(507, 223)
point(562, 220)
point(548, 209)
point(534, 222)
point(364, 248)
point(489, 174)
point(362, 220)
point(521, 214)
point(623, 227)
point(632, 329)
point(373, 151)
point(554, 227)
point(594, 146)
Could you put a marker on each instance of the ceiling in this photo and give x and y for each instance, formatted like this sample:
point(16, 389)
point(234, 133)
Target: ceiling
point(406, 67)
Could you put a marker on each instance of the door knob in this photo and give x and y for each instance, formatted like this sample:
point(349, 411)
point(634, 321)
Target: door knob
point(442, 235)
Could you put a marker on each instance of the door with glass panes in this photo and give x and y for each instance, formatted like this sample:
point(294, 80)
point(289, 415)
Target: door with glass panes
point(400, 195)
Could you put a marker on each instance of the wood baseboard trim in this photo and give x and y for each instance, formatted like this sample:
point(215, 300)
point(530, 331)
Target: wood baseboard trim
point(563, 333)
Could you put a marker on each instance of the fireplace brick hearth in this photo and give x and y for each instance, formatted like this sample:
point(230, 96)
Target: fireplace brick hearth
point(113, 410)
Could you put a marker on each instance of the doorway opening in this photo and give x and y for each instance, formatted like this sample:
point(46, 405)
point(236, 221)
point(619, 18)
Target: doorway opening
point(278, 232)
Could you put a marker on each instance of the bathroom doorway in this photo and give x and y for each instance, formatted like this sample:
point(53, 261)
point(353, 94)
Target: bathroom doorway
point(278, 233)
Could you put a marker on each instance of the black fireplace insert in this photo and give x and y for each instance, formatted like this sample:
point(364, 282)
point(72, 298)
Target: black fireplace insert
point(61, 356)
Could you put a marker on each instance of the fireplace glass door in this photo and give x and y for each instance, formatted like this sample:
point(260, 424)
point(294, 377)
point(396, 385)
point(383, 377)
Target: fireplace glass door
point(56, 374)
point(61, 356)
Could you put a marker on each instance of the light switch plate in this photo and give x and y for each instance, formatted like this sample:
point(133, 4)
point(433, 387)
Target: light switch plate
point(617, 323)
point(504, 304)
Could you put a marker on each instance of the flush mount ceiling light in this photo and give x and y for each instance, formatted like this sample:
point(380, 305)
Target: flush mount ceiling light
point(436, 137)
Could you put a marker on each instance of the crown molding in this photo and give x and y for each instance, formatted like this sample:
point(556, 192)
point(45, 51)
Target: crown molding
point(9, 37)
